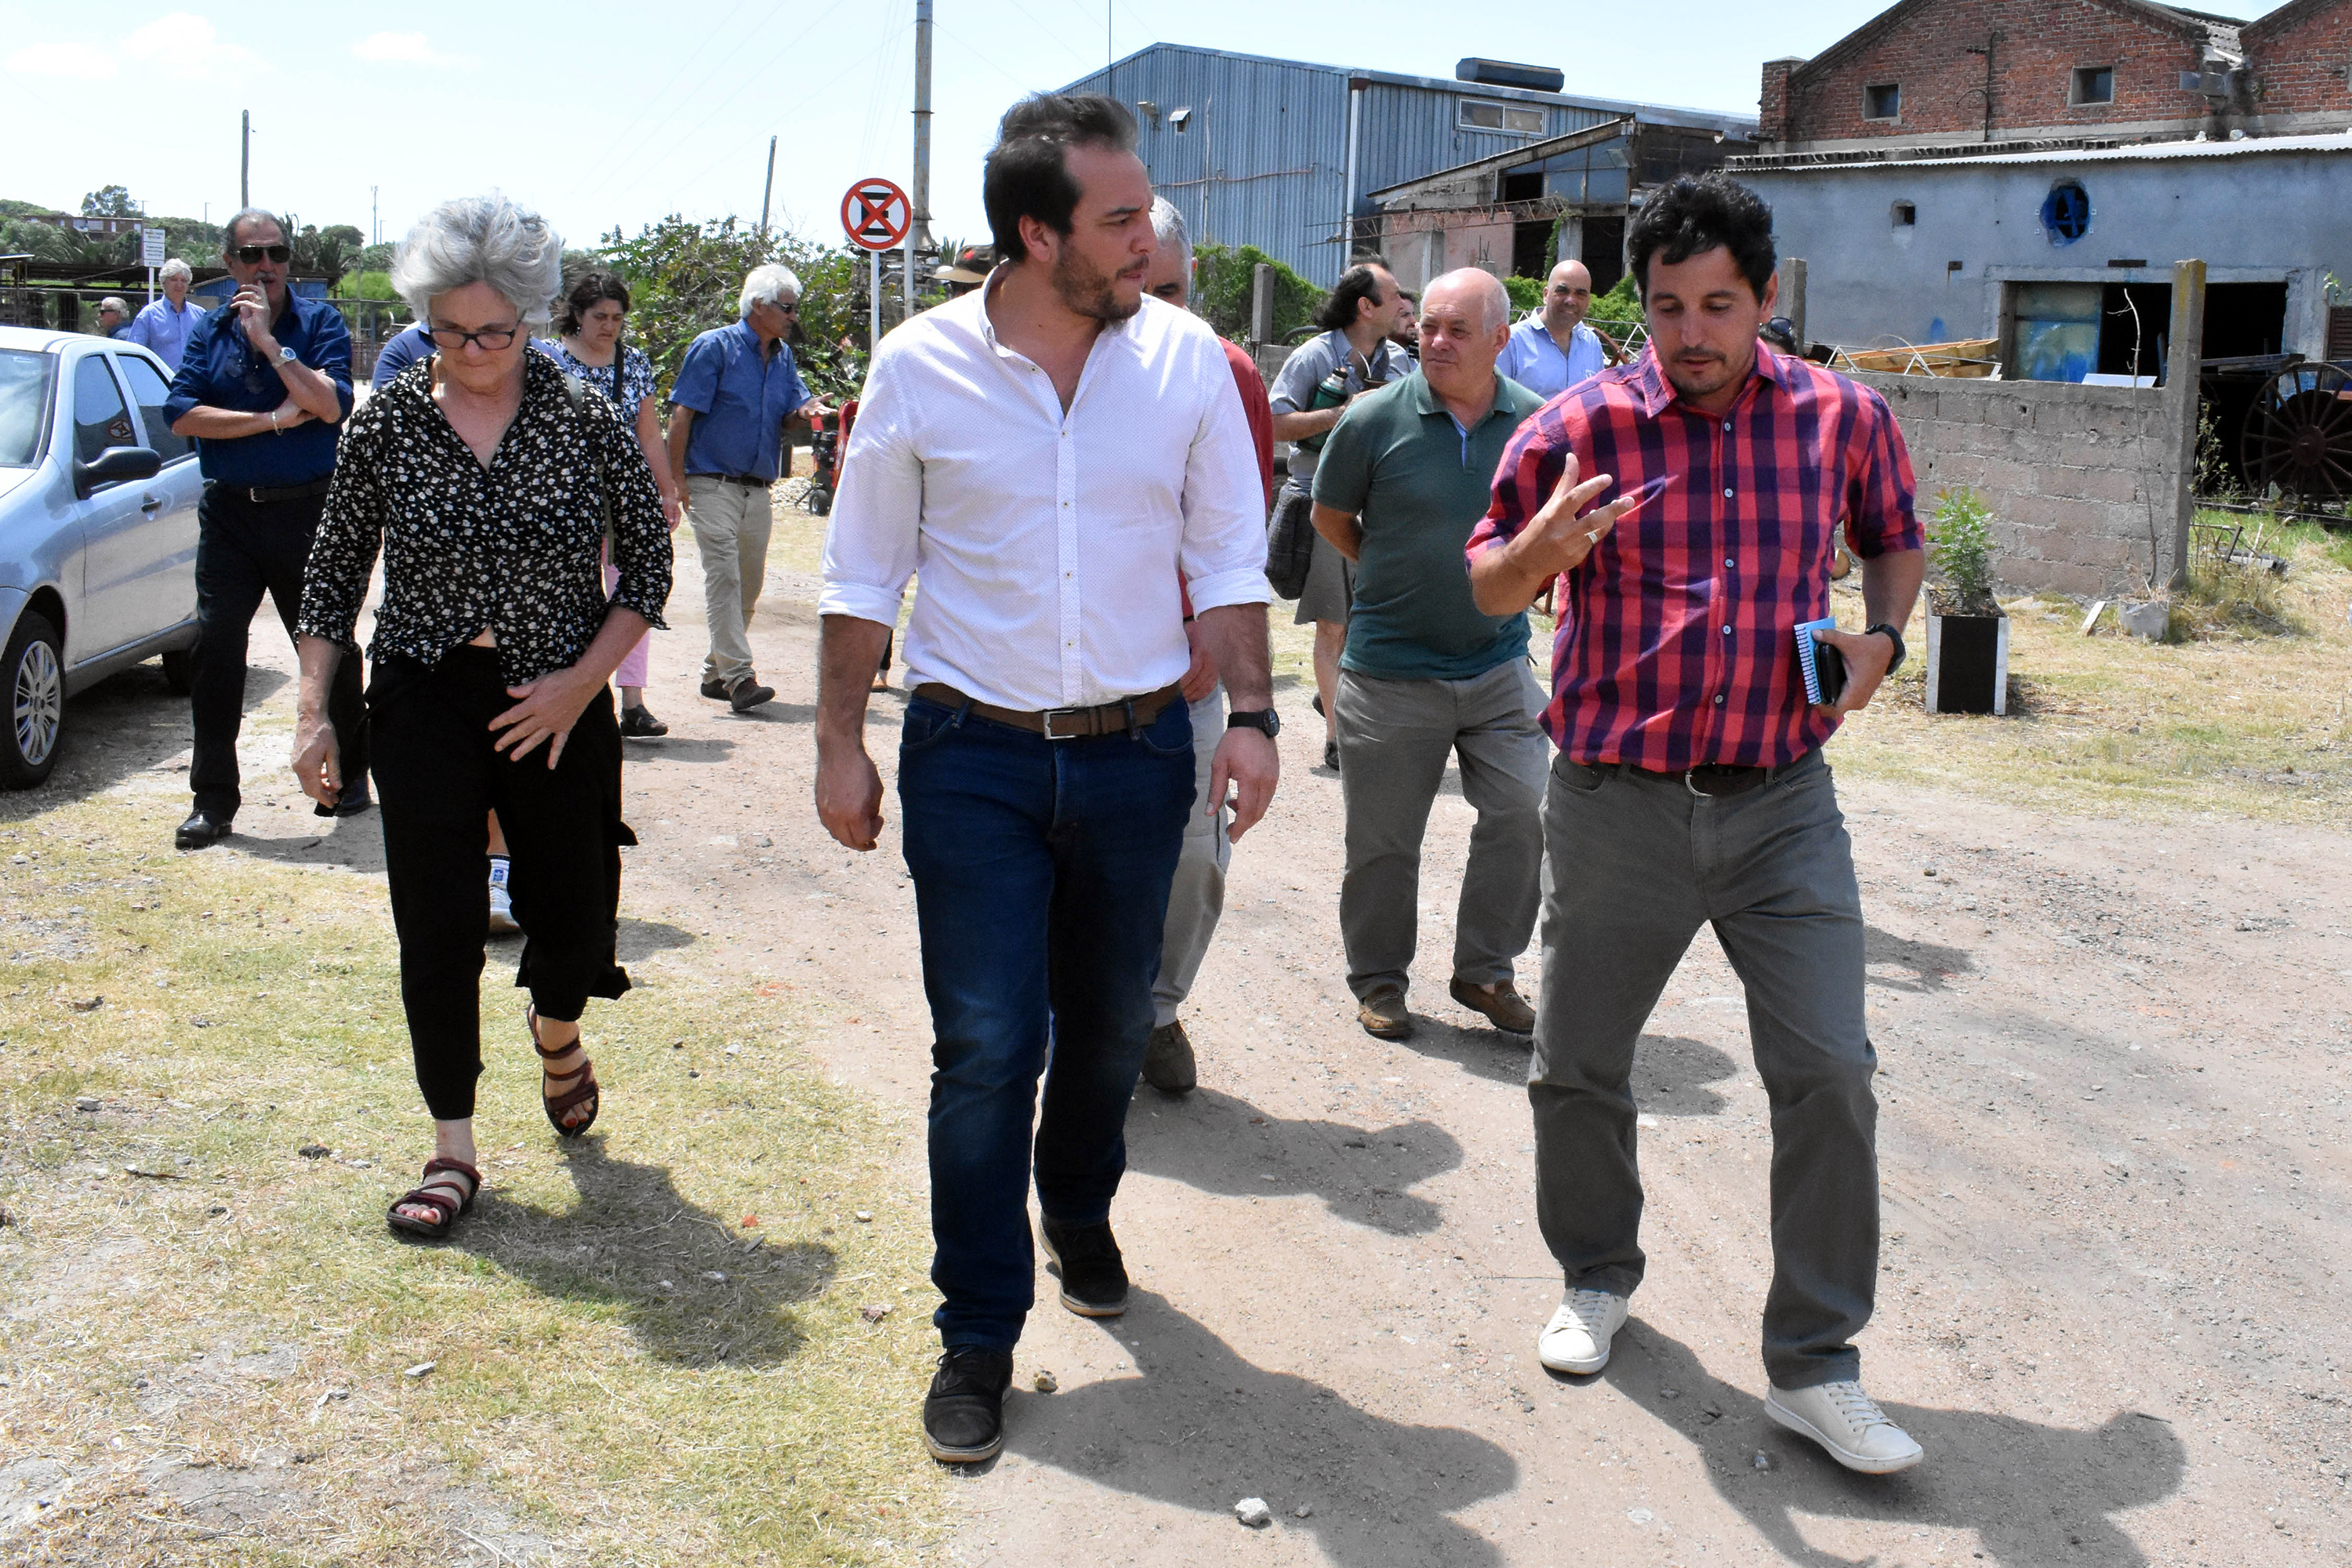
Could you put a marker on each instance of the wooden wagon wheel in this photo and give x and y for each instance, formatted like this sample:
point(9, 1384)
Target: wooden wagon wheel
point(2299, 434)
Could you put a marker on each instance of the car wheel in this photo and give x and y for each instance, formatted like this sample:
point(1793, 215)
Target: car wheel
point(33, 689)
point(180, 670)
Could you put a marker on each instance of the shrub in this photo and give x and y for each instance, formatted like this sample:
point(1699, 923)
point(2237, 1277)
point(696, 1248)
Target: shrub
point(1621, 304)
point(686, 276)
point(1527, 294)
point(1961, 542)
point(1224, 281)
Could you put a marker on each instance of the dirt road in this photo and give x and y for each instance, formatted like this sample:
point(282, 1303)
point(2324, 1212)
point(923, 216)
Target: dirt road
point(2115, 1174)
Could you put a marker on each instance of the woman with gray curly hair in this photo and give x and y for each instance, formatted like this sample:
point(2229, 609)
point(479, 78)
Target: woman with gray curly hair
point(489, 483)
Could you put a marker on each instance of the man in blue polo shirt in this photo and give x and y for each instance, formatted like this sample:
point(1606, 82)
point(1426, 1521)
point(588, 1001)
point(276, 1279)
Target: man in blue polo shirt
point(727, 411)
point(1426, 674)
point(263, 386)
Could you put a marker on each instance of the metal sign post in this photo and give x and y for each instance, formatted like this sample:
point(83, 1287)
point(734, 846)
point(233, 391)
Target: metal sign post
point(151, 252)
point(877, 217)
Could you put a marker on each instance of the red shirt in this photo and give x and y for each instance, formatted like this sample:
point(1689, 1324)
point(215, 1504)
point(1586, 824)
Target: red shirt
point(1256, 409)
point(1677, 635)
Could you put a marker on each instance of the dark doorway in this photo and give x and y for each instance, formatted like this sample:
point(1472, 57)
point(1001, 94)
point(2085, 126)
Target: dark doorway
point(1530, 238)
point(2241, 319)
point(1604, 251)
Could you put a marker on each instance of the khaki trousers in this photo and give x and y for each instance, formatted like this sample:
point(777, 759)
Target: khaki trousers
point(732, 524)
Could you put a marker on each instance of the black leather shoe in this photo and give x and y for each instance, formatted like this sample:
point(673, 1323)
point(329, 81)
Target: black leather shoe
point(1167, 1063)
point(747, 693)
point(640, 723)
point(964, 1415)
point(201, 831)
point(1094, 1276)
point(351, 803)
point(714, 688)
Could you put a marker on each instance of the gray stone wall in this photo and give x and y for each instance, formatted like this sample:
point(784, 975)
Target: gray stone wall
point(2077, 477)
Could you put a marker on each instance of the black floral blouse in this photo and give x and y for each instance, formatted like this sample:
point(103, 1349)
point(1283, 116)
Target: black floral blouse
point(514, 547)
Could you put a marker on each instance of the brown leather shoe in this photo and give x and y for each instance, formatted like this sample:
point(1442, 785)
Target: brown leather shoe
point(1383, 1015)
point(1500, 1003)
point(1167, 1063)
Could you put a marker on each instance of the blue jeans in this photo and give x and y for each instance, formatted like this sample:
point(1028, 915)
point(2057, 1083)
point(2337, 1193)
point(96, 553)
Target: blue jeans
point(1041, 873)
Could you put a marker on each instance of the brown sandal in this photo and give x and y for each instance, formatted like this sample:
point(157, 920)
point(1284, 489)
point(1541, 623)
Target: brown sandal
point(583, 1084)
point(439, 1196)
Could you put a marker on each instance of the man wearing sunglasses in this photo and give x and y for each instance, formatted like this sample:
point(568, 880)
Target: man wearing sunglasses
point(263, 387)
point(727, 411)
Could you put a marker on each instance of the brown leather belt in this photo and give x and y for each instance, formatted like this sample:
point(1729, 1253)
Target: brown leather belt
point(1061, 723)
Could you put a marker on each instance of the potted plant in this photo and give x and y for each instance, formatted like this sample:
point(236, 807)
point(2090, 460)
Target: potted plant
point(1968, 635)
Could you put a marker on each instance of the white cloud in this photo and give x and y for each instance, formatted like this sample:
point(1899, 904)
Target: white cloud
point(187, 47)
point(409, 49)
point(74, 62)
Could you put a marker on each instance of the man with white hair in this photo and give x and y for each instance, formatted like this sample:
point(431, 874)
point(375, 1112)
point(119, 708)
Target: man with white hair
point(162, 327)
point(1424, 674)
point(1197, 897)
point(1553, 349)
point(112, 311)
point(727, 411)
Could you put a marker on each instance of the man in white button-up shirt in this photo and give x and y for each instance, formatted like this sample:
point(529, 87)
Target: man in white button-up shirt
point(1049, 454)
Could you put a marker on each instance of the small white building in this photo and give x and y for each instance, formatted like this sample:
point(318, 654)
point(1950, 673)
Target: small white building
point(2065, 255)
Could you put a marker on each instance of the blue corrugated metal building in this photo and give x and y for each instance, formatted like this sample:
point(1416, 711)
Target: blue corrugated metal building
point(1282, 154)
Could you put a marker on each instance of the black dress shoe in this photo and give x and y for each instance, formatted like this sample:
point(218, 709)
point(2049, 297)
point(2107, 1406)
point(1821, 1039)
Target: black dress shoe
point(351, 803)
point(964, 1415)
point(1094, 1275)
point(639, 722)
point(201, 831)
point(747, 693)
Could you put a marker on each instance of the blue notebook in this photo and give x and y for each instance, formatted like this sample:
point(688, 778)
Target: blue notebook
point(1823, 665)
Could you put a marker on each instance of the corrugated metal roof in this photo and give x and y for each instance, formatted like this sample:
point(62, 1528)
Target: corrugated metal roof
point(2139, 153)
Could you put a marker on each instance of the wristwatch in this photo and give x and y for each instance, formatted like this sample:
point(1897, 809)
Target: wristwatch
point(1265, 719)
point(1896, 637)
point(287, 355)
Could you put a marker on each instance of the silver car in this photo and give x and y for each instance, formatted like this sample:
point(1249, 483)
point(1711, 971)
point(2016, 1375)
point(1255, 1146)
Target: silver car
point(97, 531)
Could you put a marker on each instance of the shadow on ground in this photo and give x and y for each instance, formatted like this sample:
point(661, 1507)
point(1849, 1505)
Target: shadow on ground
point(127, 724)
point(1198, 1427)
point(1220, 1144)
point(1671, 1074)
point(691, 1293)
point(1930, 963)
point(2033, 1494)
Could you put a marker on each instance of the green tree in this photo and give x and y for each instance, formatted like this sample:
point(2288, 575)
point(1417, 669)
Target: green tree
point(1224, 285)
point(1621, 304)
point(108, 201)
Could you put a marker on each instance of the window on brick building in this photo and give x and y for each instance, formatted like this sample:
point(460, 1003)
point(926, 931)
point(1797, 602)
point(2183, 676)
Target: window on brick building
point(2094, 84)
point(1883, 101)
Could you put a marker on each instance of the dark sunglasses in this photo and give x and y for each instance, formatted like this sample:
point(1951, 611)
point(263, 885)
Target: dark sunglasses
point(490, 338)
point(249, 254)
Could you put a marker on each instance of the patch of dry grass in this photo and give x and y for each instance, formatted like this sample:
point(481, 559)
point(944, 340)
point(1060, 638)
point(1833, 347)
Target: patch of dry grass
point(648, 1347)
point(2247, 716)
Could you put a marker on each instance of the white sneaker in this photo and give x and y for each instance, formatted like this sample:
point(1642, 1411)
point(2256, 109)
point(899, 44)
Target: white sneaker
point(1842, 1418)
point(1577, 1338)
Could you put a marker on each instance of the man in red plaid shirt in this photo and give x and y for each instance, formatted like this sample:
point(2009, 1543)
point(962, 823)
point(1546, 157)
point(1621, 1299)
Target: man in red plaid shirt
point(1690, 788)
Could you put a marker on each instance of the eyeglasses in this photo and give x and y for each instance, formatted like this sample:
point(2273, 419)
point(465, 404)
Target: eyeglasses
point(792, 310)
point(249, 254)
point(490, 339)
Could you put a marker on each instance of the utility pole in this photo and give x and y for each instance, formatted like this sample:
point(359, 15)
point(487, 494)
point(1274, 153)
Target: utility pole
point(769, 189)
point(375, 217)
point(919, 224)
point(245, 164)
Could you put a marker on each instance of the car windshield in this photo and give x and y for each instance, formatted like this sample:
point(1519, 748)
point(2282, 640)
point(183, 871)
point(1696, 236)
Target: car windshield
point(23, 406)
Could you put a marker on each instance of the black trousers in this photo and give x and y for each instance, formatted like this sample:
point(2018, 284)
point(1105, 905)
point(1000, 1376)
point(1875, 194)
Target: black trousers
point(245, 549)
point(437, 778)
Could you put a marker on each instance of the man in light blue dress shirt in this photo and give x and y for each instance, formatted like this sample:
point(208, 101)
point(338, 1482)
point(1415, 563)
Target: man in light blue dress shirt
point(1554, 350)
point(164, 325)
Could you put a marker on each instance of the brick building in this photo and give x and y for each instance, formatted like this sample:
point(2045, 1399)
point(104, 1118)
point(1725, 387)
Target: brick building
point(1951, 73)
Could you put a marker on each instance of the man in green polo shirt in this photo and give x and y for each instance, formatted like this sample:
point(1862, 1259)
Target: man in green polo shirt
point(1403, 478)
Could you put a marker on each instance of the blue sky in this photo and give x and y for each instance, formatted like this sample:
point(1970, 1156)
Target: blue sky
point(602, 113)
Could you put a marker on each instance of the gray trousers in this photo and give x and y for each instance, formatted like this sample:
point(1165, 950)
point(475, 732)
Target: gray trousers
point(731, 525)
point(1637, 863)
point(1394, 738)
point(1197, 897)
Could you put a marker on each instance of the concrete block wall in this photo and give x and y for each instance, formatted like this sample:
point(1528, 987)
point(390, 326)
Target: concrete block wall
point(2075, 476)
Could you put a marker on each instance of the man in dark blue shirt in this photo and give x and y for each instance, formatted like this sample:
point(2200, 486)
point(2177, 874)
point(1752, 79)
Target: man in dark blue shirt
point(263, 387)
point(727, 411)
